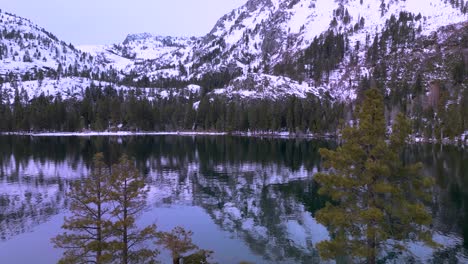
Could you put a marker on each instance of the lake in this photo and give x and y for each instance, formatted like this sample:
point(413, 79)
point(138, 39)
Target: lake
point(247, 199)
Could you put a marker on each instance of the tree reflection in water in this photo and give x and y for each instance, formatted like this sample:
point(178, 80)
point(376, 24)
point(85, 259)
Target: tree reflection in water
point(259, 190)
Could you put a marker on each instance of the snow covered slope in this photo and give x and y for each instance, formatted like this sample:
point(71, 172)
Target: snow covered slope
point(147, 47)
point(248, 44)
point(146, 54)
point(74, 88)
point(26, 48)
point(34, 62)
point(106, 56)
point(258, 34)
point(263, 86)
point(264, 33)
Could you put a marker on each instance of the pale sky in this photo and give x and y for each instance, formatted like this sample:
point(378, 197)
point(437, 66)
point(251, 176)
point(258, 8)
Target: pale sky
point(109, 21)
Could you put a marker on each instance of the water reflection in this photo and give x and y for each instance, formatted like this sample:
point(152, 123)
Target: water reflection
point(449, 166)
point(258, 190)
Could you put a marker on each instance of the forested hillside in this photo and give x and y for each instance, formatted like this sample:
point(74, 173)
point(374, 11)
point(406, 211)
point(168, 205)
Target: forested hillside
point(297, 66)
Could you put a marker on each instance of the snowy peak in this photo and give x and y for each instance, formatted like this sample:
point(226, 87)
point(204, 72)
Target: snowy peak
point(149, 47)
point(262, 34)
point(258, 36)
point(269, 27)
point(161, 41)
point(16, 25)
point(145, 54)
point(263, 41)
point(136, 37)
point(30, 50)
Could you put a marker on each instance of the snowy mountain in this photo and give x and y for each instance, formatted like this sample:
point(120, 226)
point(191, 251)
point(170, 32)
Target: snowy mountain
point(33, 61)
point(148, 47)
point(264, 33)
point(29, 50)
point(74, 88)
point(264, 49)
point(146, 54)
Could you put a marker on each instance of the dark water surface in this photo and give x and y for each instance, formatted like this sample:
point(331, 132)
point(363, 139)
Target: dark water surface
point(247, 199)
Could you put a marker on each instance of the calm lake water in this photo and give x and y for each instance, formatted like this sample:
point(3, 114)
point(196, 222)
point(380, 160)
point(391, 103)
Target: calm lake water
point(247, 199)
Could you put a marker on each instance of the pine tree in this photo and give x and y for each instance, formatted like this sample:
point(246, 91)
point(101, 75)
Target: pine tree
point(459, 71)
point(87, 241)
point(27, 57)
point(464, 110)
point(179, 242)
point(377, 200)
point(128, 195)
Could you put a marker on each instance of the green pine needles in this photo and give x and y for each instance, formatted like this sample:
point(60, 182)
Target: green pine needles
point(378, 201)
point(102, 227)
point(104, 207)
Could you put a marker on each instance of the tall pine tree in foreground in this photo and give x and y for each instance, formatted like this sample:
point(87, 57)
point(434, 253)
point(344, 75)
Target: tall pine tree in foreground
point(104, 207)
point(89, 225)
point(128, 197)
point(377, 200)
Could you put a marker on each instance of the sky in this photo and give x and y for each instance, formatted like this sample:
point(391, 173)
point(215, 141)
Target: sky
point(84, 22)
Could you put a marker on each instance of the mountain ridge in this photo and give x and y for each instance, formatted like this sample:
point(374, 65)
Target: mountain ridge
point(255, 38)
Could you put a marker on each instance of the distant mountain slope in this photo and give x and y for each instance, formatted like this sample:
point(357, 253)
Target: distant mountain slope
point(144, 54)
point(33, 52)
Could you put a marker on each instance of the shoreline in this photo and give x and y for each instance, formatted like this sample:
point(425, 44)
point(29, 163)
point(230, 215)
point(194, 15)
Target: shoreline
point(110, 134)
point(262, 134)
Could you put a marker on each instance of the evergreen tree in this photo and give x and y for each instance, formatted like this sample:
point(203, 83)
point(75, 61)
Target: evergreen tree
point(464, 110)
point(128, 195)
point(89, 234)
point(179, 242)
point(377, 200)
point(27, 56)
point(459, 71)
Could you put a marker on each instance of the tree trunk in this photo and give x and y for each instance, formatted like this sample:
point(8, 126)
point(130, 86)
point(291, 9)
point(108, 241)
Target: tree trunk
point(99, 236)
point(99, 223)
point(371, 244)
point(371, 256)
point(125, 229)
point(125, 246)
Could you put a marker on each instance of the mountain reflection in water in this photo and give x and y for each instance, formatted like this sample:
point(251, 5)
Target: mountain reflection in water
point(259, 191)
